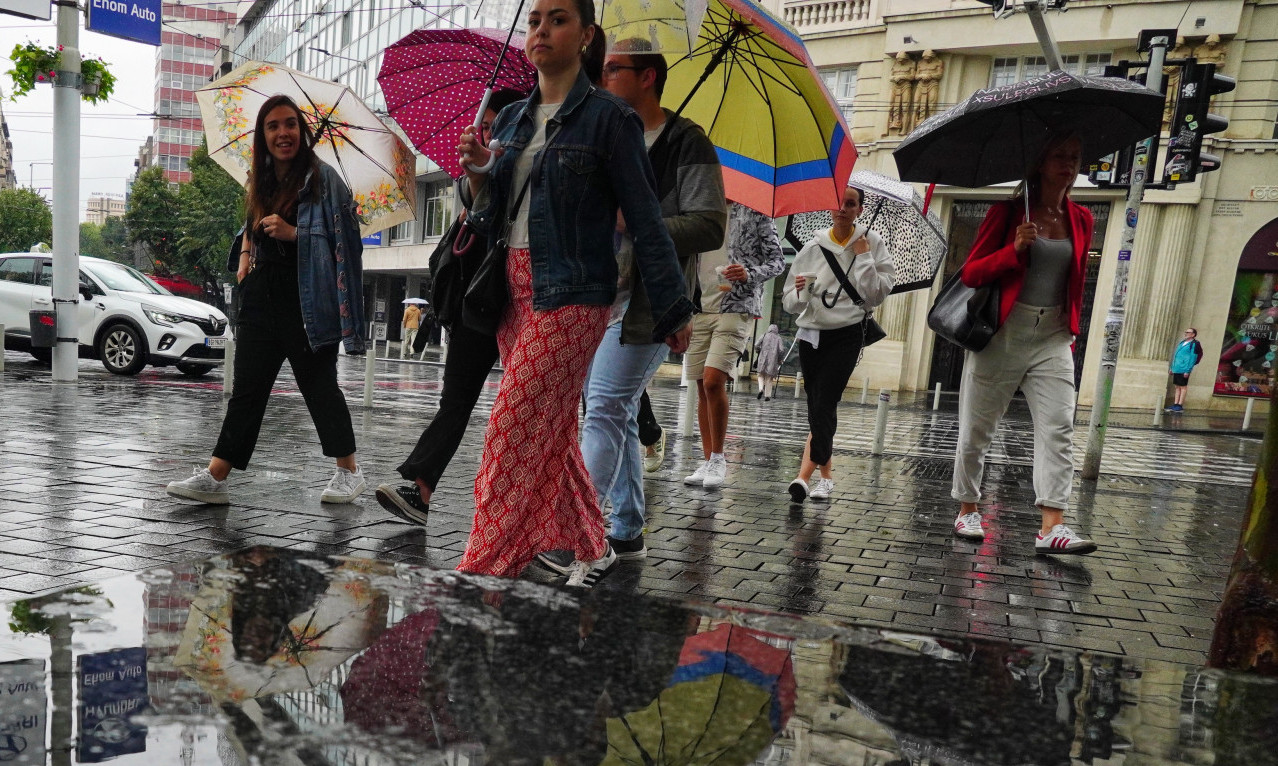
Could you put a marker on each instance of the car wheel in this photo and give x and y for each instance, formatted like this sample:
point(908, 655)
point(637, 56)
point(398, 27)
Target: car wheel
point(194, 370)
point(122, 350)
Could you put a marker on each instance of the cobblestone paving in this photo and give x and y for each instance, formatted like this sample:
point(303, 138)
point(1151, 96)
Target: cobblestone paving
point(81, 498)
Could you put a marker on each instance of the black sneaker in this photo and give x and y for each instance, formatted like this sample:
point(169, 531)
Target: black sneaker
point(559, 562)
point(629, 550)
point(405, 502)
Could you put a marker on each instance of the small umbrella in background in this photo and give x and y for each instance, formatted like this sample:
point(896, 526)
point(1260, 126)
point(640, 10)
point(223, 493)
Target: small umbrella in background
point(378, 168)
point(418, 301)
point(433, 81)
point(895, 211)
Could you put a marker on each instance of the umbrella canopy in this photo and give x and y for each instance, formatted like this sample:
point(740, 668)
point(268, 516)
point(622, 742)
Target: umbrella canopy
point(669, 26)
point(376, 165)
point(783, 143)
point(894, 210)
point(730, 696)
point(993, 135)
point(433, 81)
point(418, 301)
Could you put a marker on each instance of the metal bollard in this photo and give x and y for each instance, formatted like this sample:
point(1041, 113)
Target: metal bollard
point(1, 348)
point(880, 421)
point(798, 383)
point(228, 368)
point(370, 361)
point(689, 408)
point(1158, 411)
point(1251, 403)
point(936, 400)
point(865, 390)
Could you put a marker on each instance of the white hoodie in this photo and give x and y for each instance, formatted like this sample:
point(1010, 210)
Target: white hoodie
point(872, 274)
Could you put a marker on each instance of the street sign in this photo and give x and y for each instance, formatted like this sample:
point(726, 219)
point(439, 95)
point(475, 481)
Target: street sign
point(137, 20)
point(28, 9)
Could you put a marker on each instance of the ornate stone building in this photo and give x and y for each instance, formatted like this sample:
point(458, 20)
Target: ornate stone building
point(897, 61)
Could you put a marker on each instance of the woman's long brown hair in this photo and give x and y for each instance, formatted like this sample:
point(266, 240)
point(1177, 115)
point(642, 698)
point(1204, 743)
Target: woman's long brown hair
point(266, 194)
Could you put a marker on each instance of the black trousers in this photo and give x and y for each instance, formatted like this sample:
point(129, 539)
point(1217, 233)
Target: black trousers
point(649, 428)
point(270, 331)
point(826, 371)
point(471, 356)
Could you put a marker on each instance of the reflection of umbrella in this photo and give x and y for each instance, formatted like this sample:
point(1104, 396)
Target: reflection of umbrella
point(375, 163)
point(433, 80)
point(895, 211)
point(269, 621)
point(418, 301)
point(728, 699)
point(669, 26)
point(783, 143)
point(993, 135)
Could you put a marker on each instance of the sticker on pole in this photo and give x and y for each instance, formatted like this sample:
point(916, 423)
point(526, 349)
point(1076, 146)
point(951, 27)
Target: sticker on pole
point(1124, 255)
point(137, 20)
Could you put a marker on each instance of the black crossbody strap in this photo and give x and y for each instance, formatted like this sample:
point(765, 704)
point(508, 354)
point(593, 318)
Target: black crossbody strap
point(842, 276)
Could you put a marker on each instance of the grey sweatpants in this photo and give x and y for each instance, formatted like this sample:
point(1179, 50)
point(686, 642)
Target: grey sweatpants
point(1031, 351)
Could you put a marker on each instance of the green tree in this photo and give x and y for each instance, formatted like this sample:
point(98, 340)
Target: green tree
point(211, 209)
point(91, 242)
point(115, 236)
point(151, 215)
point(25, 219)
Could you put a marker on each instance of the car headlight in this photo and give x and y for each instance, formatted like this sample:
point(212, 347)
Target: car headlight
point(164, 318)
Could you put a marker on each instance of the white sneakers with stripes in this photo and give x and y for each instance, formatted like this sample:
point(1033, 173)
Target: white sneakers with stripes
point(1062, 539)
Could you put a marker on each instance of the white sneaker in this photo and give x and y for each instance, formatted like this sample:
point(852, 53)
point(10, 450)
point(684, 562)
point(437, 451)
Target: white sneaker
point(655, 455)
point(584, 574)
point(699, 475)
point(200, 486)
point(822, 489)
point(716, 473)
point(798, 490)
point(1062, 539)
point(968, 526)
point(344, 486)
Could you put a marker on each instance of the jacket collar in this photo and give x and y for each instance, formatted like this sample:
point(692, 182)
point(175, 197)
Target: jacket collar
point(580, 89)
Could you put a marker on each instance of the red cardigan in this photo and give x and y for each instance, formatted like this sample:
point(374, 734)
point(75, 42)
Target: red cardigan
point(994, 258)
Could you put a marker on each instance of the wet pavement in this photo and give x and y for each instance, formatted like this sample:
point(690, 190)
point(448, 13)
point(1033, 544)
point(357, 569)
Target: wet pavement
point(82, 500)
point(272, 656)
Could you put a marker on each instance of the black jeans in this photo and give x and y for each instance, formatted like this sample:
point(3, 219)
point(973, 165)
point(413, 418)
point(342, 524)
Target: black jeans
point(826, 370)
point(471, 356)
point(269, 331)
point(649, 428)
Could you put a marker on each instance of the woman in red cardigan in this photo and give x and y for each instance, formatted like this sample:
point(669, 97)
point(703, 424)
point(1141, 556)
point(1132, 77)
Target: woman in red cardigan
point(1034, 247)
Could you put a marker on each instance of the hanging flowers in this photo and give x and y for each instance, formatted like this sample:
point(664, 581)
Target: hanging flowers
point(35, 64)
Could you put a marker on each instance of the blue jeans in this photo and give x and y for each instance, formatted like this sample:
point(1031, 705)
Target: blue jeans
point(610, 435)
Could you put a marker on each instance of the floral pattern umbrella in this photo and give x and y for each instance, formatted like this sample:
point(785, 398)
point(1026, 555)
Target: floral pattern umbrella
point(376, 164)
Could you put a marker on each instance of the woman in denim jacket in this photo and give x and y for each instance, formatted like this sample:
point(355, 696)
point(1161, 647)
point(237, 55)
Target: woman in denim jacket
point(581, 152)
point(298, 262)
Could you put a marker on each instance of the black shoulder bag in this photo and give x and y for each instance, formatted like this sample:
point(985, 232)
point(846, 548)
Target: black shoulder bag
point(460, 246)
point(871, 332)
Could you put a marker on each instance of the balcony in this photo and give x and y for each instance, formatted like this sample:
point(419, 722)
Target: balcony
point(816, 16)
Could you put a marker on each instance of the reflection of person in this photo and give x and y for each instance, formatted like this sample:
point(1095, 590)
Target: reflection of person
point(471, 356)
point(769, 348)
point(301, 246)
point(410, 324)
point(1039, 265)
point(831, 328)
point(731, 281)
point(1186, 356)
point(578, 153)
point(900, 103)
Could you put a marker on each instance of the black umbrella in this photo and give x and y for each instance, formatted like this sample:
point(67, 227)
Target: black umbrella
point(994, 134)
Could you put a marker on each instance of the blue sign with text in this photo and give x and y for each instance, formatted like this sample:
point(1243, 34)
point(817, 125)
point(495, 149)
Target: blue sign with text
point(137, 20)
point(113, 691)
point(373, 239)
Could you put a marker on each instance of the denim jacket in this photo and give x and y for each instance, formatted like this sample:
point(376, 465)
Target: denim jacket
point(595, 163)
point(330, 265)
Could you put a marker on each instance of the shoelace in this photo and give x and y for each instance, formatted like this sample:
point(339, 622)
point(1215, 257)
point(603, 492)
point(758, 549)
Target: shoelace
point(578, 572)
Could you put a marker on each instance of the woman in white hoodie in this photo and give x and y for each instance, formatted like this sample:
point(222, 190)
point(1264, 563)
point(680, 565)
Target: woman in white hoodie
point(832, 327)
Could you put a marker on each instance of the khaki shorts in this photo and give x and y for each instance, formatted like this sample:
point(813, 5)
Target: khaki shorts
point(717, 341)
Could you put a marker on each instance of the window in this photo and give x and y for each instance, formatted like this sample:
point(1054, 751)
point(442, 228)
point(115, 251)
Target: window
point(345, 39)
point(301, 60)
point(18, 270)
point(1009, 70)
point(1094, 64)
point(439, 202)
point(1033, 66)
point(1004, 72)
point(842, 85)
point(402, 231)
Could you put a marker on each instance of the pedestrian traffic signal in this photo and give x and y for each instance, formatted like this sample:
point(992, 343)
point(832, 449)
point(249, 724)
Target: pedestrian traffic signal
point(1192, 120)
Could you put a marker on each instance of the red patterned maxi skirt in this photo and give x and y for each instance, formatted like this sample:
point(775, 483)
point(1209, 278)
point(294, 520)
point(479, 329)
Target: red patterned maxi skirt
point(533, 493)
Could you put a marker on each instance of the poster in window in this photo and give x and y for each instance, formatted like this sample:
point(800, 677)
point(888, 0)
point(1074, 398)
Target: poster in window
point(1246, 365)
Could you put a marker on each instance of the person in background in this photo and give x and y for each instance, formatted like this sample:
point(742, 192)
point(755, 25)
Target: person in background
point(651, 435)
point(1039, 262)
point(573, 156)
point(299, 265)
point(832, 328)
point(1186, 356)
point(769, 349)
point(731, 281)
point(409, 326)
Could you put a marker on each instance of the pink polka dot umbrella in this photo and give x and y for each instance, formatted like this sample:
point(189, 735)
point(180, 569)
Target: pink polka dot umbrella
point(434, 81)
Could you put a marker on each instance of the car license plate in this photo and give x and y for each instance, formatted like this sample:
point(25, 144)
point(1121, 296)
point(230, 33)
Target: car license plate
point(215, 342)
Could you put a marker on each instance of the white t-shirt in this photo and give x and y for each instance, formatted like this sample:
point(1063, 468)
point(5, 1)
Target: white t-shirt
point(518, 237)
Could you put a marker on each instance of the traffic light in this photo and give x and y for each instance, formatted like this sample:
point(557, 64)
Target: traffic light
point(1192, 120)
point(1001, 8)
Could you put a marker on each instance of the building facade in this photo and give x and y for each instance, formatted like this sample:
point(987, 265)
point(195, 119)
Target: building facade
point(101, 206)
point(892, 63)
point(8, 178)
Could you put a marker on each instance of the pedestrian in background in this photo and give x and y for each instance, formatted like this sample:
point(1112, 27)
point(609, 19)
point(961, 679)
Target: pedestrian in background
point(769, 350)
point(832, 328)
point(573, 156)
point(1039, 263)
point(300, 247)
point(409, 326)
point(1186, 356)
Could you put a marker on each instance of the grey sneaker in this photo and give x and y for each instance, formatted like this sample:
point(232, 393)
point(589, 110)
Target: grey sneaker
point(200, 486)
point(716, 473)
point(822, 489)
point(584, 574)
point(344, 486)
point(654, 455)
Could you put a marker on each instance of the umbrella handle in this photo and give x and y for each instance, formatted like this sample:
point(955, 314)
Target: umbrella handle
point(494, 144)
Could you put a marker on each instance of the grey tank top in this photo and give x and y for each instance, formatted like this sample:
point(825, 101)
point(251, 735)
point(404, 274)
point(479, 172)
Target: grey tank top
point(1048, 272)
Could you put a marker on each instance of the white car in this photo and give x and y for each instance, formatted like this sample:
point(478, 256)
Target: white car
point(126, 320)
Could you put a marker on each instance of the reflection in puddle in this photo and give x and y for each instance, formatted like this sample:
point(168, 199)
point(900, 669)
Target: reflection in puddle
point(274, 657)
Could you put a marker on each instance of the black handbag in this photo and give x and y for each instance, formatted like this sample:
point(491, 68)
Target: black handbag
point(871, 331)
point(965, 316)
point(460, 245)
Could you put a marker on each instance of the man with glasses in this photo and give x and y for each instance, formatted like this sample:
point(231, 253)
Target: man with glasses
point(1188, 353)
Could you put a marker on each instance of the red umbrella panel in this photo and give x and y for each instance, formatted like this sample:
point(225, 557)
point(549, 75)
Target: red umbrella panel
point(434, 79)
